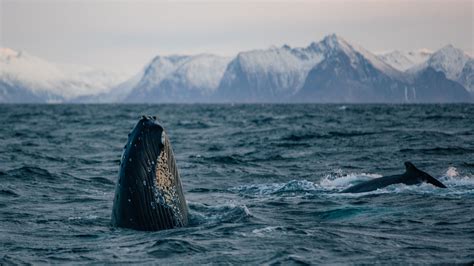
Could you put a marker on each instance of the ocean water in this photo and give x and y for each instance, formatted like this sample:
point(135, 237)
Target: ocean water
point(261, 182)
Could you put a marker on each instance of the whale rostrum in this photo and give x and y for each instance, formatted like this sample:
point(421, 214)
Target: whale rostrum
point(149, 195)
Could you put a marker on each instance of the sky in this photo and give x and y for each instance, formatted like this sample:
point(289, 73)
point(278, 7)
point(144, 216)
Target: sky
point(125, 35)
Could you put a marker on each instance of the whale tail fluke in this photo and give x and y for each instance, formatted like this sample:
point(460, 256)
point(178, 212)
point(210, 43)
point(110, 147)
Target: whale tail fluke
point(411, 170)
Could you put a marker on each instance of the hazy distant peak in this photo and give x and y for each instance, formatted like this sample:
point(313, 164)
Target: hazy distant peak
point(450, 60)
point(6, 53)
point(179, 78)
point(61, 81)
point(404, 60)
point(448, 46)
point(450, 50)
point(169, 58)
point(333, 39)
point(336, 44)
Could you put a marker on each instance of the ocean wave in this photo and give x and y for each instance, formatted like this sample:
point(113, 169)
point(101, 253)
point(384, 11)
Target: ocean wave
point(302, 137)
point(227, 159)
point(79, 218)
point(267, 229)
point(193, 124)
point(204, 190)
point(444, 116)
point(339, 181)
point(101, 180)
point(262, 120)
point(31, 172)
point(327, 135)
point(293, 186)
point(87, 220)
point(453, 178)
point(439, 150)
point(170, 246)
point(201, 214)
point(8, 193)
point(280, 230)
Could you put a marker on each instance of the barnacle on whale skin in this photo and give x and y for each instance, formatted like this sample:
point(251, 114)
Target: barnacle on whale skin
point(167, 180)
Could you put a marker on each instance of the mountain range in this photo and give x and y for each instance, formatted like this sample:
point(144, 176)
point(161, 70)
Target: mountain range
point(331, 70)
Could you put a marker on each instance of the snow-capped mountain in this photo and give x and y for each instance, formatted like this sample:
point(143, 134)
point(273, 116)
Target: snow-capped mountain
point(115, 94)
point(179, 79)
point(39, 80)
point(334, 45)
point(453, 62)
point(327, 71)
point(449, 60)
point(267, 75)
point(403, 60)
point(352, 74)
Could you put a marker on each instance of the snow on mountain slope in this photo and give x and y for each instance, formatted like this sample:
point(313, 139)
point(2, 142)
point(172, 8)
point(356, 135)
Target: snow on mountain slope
point(179, 78)
point(159, 68)
point(54, 82)
point(278, 60)
point(402, 60)
point(334, 43)
point(117, 93)
point(28, 70)
point(201, 72)
point(449, 60)
point(350, 73)
point(453, 62)
point(267, 75)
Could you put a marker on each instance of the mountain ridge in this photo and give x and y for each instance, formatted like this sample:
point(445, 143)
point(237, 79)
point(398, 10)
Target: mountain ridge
point(331, 70)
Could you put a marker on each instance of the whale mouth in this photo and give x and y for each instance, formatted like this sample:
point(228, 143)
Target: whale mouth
point(149, 195)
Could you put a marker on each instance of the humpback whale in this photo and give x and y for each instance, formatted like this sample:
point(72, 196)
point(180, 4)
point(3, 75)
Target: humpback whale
point(412, 176)
point(148, 193)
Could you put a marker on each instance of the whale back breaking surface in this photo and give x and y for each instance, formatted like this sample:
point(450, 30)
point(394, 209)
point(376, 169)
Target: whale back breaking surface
point(149, 195)
point(412, 176)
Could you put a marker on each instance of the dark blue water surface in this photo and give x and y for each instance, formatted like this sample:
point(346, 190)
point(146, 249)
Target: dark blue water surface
point(261, 182)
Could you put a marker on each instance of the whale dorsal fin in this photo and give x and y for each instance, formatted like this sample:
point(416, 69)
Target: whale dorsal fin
point(414, 172)
point(410, 168)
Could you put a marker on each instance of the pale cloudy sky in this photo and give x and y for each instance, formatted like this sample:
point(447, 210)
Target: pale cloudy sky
point(127, 34)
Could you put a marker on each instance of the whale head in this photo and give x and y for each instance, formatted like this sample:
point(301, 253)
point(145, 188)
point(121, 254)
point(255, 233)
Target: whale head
point(148, 194)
